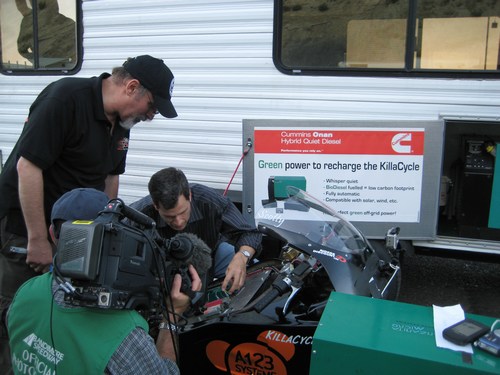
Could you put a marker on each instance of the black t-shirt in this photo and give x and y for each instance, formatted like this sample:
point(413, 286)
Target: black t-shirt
point(67, 135)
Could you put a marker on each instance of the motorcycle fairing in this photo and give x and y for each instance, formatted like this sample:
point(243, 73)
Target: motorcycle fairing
point(319, 231)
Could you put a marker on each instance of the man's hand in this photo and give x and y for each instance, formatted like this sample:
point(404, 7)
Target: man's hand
point(235, 273)
point(39, 256)
point(180, 300)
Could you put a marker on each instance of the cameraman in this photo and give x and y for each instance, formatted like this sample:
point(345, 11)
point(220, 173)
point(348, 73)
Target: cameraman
point(177, 206)
point(46, 333)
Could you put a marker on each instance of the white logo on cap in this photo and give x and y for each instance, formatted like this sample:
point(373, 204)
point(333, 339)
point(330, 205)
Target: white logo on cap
point(171, 90)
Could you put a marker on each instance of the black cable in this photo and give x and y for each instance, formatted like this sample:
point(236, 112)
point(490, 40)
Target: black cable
point(52, 343)
point(64, 285)
point(166, 299)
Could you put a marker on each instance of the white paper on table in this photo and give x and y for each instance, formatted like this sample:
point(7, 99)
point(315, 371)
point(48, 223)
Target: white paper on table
point(443, 318)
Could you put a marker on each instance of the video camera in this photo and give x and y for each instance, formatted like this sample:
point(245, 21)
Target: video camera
point(114, 265)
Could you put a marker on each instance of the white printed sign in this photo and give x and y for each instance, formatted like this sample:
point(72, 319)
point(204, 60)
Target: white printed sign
point(366, 174)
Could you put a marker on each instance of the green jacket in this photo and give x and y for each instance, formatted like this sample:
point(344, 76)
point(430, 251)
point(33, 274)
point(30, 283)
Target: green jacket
point(46, 338)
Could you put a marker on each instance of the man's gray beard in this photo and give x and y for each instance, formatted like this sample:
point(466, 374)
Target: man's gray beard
point(128, 123)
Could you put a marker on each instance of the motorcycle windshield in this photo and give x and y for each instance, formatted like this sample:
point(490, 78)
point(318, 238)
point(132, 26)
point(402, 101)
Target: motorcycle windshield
point(309, 224)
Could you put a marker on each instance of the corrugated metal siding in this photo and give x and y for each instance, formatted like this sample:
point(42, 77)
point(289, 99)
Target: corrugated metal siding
point(217, 50)
point(221, 55)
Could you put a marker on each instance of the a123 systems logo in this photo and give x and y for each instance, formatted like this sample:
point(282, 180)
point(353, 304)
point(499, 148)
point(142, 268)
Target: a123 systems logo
point(401, 143)
point(268, 355)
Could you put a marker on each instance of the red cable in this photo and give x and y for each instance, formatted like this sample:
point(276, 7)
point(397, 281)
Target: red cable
point(245, 152)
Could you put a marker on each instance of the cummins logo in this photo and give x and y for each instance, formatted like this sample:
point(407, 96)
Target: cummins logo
point(401, 143)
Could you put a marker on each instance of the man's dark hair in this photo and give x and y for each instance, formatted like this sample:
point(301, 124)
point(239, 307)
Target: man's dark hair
point(166, 185)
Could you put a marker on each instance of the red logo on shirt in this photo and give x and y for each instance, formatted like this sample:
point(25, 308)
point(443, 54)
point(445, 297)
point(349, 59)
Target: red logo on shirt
point(122, 144)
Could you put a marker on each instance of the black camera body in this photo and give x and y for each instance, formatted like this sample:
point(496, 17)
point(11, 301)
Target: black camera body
point(114, 265)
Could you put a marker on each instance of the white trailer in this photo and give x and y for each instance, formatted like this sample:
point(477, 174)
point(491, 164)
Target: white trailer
point(221, 53)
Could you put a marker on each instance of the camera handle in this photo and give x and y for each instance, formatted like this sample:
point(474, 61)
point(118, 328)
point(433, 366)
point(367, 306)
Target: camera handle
point(186, 285)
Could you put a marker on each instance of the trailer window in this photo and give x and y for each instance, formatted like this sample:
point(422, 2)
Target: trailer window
point(388, 37)
point(39, 36)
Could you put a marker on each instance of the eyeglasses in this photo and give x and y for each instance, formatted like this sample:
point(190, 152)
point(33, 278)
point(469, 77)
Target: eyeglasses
point(151, 103)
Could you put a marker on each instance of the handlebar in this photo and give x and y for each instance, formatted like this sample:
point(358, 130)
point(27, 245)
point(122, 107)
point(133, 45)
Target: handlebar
point(284, 284)
point(279, 288)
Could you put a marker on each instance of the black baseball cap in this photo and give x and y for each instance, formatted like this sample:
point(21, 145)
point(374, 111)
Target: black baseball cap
point(155, 76)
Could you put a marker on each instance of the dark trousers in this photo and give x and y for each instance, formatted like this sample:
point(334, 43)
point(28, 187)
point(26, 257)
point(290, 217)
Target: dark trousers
point(13, 273)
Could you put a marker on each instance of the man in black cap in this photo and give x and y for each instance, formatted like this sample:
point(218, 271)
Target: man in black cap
point(76, 135)
point(155, 76)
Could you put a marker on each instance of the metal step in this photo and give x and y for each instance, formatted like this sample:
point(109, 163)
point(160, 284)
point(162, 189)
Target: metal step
point(460, 244)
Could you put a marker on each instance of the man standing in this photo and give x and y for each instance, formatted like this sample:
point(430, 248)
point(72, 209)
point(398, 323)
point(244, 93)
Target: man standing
point(76, 135)
point(177, 206)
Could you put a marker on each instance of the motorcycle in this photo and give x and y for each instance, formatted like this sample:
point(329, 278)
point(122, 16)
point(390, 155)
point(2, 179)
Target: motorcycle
point(268, 326)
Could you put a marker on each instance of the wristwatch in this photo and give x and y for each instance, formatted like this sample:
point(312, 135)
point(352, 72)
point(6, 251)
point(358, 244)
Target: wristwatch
point(246, 254)
point(169, 326)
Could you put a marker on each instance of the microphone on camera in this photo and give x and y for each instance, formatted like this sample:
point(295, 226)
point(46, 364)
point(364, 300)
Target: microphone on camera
point(188, 248)
point(185, 249)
